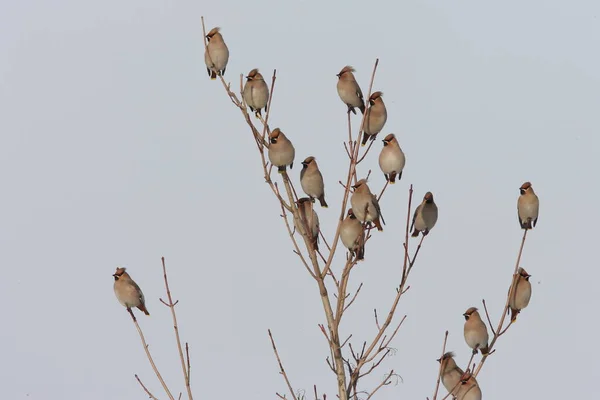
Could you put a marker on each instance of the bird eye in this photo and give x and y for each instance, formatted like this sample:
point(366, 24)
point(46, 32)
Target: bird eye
point(273, 140)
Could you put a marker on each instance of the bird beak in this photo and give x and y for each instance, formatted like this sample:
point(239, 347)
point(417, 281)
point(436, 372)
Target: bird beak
point(439, 360)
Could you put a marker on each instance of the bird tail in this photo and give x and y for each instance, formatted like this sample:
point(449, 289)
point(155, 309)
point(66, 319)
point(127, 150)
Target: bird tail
point(281, 169)
point(392, 178)
point(213, 75)
point(323, 202)
point(415, 233)
point(361, 252)
point(378, 224)
point(513, 314)
point(485, 350)
point(142, 307)
point(365, 138)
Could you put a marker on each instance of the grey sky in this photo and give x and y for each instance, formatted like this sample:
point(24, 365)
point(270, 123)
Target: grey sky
point(116, 149)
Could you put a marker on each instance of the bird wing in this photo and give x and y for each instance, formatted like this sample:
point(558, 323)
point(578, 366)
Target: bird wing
point(376, 204)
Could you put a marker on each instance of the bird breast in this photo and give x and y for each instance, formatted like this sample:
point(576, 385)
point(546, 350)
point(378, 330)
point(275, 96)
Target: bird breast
point(391, 159)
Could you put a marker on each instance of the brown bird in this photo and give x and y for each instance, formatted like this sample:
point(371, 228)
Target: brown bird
point(451, 373)
point(353, 235)
point(476, 334)
point(309, 219)
point(128, 292)
point(521, 294)
point(256, 91)
point(425, 217)
point(462, 386)
point(391, 159)
point(375, 118)
point(365, 205)
point(528, 206)
point(281, 150)
point(349, 91)
point(311, 180)
point(469, 388)
point(216, 54)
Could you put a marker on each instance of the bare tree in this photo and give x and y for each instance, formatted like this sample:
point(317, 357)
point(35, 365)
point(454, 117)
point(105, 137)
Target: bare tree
point(348, 361)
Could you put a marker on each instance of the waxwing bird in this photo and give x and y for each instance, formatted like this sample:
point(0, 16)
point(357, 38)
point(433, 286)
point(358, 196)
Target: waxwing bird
point(476, 334)
point(349, 91)
point(309, 219)
point(451, 373)
point(216, 54)
point(312, 180)
point(128, 292)
point(528, 206)
point(256, 91)
point(375, 117)
point(521, 294)
point(365, 205)
point(462, 386)
point(425, 217)
point(281, 150)
point(352, 234)
point(391, 159)
point(469, 388)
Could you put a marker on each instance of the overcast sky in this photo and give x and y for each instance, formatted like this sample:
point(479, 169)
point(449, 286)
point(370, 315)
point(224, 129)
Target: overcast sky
point(116, 149)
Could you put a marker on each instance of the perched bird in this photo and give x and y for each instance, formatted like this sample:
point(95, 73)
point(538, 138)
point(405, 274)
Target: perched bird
point(365, 205)
point(462, 386)
point(425, 217)
point(375, 118)
point(528, 206)
point(281, 150)
point(216, 54)
point(521, 294)
point(391, 159)
point(353, 235)
point(451, 373)
point(128, 292)
point(256, 91)
point(312, 180)
point(309, 219)
point(476, 334)
point(349, 90)
point(469, 388)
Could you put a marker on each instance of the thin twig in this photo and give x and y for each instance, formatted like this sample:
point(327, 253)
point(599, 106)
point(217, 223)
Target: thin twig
point(158, 375)
point(172, 305)
point(499, 331)
point(437, 383)
point(150, 395)
point(281, 369)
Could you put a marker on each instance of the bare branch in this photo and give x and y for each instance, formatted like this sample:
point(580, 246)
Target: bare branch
point(281, 369)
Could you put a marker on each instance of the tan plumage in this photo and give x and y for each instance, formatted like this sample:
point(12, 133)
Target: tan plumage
point(365, 205)
point(353, 235)
point(311, 180)
point(256, 91)
point(128, 292)
point(281, 150)
point(462, 386)
point(349, 91)
point(521, 294)
point(528, 206)
point(475, 331)
point(391, 158)
point(425, 216)
point(375, 118)
point(309, 219)
point(216, 54)
point(451, 373)
point(469, 389)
